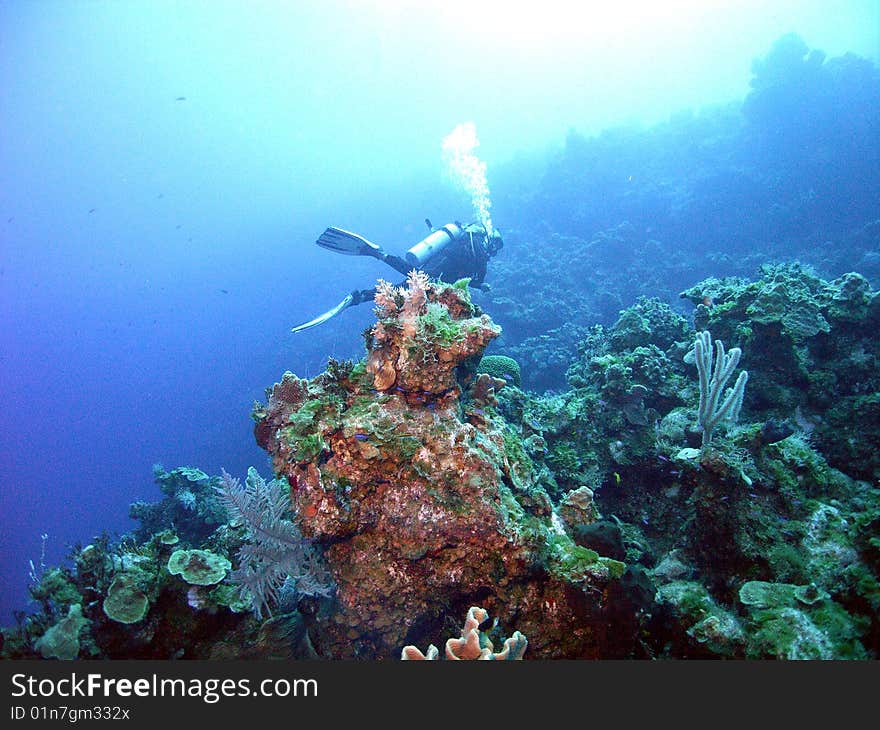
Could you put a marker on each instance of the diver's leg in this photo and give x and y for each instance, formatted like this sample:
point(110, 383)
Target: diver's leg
point(359, 296)
point(397, 263)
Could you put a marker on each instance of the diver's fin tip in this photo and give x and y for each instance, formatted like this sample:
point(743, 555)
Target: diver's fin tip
point(346, 242)
point(321, 318)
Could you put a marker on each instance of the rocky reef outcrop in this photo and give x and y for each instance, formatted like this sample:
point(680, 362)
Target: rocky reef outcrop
point(422, 499)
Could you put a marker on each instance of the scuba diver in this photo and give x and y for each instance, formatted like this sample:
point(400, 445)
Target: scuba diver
point(451, 252)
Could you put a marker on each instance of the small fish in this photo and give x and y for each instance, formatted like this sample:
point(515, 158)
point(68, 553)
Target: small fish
point(225, 291)
point(180, 98)
point(92, 210)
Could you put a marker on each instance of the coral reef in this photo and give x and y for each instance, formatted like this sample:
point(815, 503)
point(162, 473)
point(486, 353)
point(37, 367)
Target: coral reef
point(501, 366)
point(420, 496)
point(410, 487)
point(790, 173)
point(193, 509)
point(816, 359)
point(159, 598)
point(599, 521)
point(581, 487)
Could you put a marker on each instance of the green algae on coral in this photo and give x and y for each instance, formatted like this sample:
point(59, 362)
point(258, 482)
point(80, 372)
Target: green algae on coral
point(436, 324)
point(167, 537)
point(761, 594)
point(231, 597)
point(568, 559)
point(56, 587)
point(198, 567)
point(125, 601)
point(796, 634)
point(61, 640)
point(190, 473)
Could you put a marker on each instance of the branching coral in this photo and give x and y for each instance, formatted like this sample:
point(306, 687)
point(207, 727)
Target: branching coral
point(714, 408)
point(387, 298)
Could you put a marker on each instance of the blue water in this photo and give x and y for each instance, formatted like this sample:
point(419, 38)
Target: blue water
point(165, 169)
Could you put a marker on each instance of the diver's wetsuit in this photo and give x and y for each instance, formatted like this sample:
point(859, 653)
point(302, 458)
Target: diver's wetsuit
point(462, 258)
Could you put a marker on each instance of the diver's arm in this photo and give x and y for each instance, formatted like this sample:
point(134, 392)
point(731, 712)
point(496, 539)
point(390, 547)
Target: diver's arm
point(477, 280)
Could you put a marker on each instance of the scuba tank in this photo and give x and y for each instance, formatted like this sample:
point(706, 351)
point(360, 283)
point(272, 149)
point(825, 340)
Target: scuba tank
point(434, 242)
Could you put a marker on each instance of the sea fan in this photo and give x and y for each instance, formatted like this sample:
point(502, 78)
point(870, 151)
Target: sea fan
point(274, 548)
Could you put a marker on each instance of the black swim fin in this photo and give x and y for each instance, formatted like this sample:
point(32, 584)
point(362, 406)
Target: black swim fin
point(351, 244)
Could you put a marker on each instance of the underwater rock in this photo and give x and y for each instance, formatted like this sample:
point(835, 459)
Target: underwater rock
point(578, 507)
point(423, 334)
point(710, 630)
point(604, 536)
point(417, 508)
